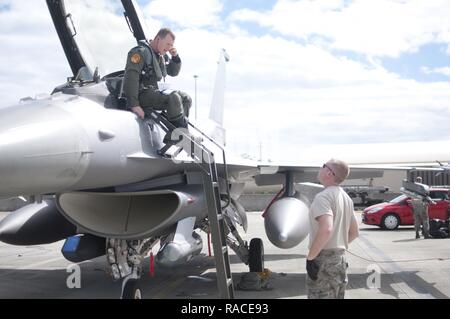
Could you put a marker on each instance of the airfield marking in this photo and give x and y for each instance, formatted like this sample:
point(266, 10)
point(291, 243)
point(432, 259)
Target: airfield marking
point(392, 268)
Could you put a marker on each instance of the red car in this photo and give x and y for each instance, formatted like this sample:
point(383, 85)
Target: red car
point(399, 210)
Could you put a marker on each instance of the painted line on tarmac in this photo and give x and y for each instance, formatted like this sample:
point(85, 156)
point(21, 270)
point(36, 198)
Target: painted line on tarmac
point(407, 285)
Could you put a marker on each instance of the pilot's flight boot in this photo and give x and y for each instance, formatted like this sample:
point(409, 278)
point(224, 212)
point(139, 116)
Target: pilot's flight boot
point(172, 137)
point(181, 122)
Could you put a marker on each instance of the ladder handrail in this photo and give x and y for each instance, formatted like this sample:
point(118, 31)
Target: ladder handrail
point(170, 126)
point(224, 162)
point(215, 210)
point(211, 187)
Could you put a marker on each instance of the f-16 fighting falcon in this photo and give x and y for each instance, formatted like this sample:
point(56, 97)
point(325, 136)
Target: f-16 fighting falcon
point(105, 179)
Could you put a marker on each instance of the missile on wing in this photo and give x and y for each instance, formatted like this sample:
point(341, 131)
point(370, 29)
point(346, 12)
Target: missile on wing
point(287, 222)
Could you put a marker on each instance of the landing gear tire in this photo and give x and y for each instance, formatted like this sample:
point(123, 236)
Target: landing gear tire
point(256, 255)
point(132, 290)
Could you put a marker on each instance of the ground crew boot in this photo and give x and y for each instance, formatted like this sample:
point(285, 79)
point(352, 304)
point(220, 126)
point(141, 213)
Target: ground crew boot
point(417, 235)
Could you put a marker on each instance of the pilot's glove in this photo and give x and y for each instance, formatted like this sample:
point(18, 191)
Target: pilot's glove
point(312, 268)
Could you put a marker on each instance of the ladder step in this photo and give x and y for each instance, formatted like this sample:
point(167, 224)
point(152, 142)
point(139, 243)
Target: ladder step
point(163, 151)
point(224, 249)
point(229, 282)
point(215, 184)
point(178, 151)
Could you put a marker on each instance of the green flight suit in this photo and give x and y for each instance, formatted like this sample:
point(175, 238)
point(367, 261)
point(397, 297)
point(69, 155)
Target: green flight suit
point(143, 70)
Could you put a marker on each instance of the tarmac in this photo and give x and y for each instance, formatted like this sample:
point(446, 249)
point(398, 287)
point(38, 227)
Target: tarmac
point(382, 265)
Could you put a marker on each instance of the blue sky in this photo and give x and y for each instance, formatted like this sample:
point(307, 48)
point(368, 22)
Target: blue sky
point(410, 65)
point(301, 72)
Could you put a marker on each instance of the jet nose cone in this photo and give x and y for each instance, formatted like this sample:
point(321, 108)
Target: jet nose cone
point(40, 149)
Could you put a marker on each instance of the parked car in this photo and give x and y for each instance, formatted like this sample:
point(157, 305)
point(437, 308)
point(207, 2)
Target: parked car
point(398, 211)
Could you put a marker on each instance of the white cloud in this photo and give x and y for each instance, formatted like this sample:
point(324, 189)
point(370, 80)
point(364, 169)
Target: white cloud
point(186, 14)
point(443, 71)
point(375, 28)
point(283, 93)
point(31, 59)
point(301, 94)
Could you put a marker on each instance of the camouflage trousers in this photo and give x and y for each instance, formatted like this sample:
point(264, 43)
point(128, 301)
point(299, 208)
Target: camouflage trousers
point(332, 277)
point(421, 218)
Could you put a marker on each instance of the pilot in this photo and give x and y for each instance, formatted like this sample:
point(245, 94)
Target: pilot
point(420, 211)
point(145, 72)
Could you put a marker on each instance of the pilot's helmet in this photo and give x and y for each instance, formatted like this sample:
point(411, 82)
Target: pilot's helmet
point(419, 179)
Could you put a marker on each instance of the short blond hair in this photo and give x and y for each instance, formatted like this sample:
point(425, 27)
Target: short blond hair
point(340, 170)
point(163, 32)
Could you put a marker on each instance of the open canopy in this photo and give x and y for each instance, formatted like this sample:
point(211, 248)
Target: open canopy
point(96, 35)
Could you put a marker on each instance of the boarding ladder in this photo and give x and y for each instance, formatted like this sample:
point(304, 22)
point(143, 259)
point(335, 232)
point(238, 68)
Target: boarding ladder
point(204, 158)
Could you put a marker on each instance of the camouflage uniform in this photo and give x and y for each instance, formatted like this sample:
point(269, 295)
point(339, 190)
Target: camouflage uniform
point(332, 277)
point(144, 69)
point(420, 211)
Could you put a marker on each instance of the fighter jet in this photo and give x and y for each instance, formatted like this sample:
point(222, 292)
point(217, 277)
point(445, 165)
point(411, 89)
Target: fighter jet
point(100, 177)
point(104, 180)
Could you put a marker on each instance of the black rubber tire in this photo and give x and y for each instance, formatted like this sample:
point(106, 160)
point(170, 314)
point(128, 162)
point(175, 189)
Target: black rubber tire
point(132, 290)
point(256, 255)
point(388, 221)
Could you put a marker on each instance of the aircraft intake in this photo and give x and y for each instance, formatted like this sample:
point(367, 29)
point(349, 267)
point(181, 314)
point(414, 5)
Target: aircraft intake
point(35, 224)
point(133, 215)
point(287, 222)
